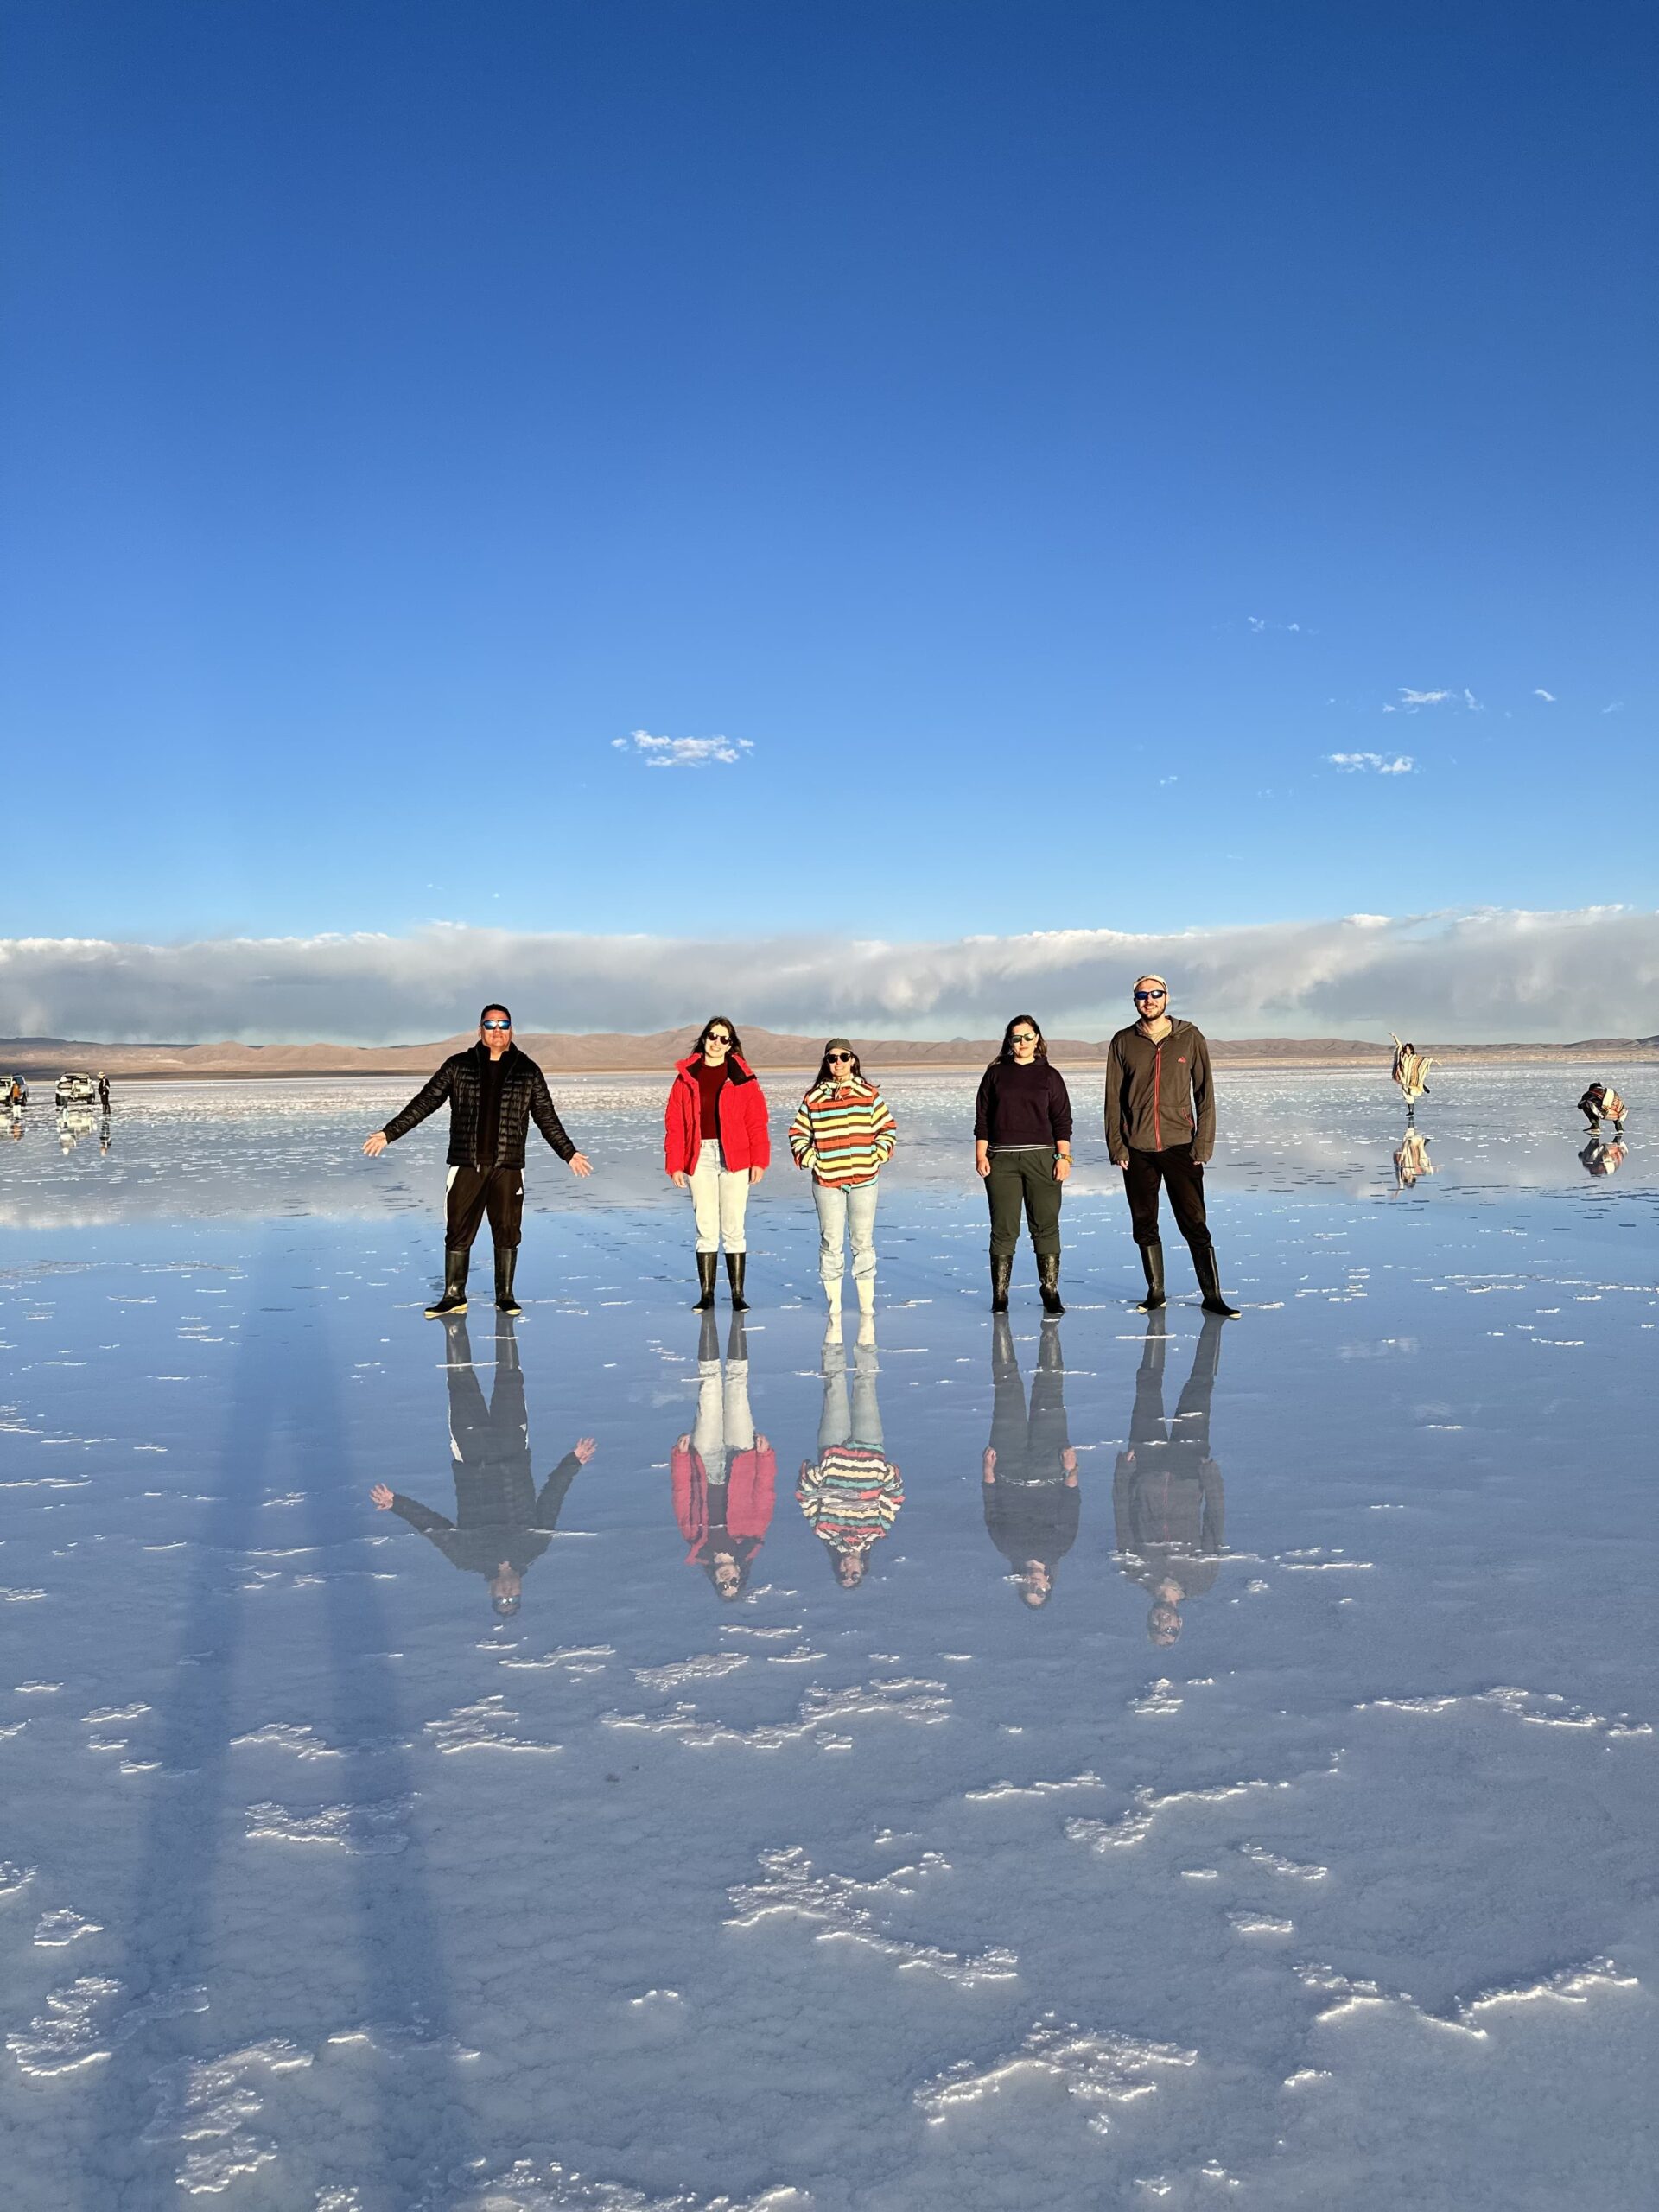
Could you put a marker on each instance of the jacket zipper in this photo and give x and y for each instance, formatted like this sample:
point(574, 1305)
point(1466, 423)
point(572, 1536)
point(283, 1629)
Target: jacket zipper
point(1157, 1086)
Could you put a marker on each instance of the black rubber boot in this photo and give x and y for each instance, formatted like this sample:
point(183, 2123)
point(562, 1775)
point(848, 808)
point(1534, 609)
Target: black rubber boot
point(1208, 1272)
point(1152, 1258)
point(507, 1259)
point(708, 1338)
point(455, 1287)
point(1001, 1276)
point(1048, 1282)
point(734, 1262)
point(737, 1340)
point(706, 1261)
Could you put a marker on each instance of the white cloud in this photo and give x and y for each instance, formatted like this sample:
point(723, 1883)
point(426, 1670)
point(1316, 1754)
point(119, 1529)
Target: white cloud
point(1615, 707)
point(1539, 692)
point(1373, 764)
point(1413, 703)
point(684, 752)
point(1491, 973)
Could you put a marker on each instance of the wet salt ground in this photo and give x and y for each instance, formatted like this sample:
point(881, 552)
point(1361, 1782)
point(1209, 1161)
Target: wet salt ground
point(323, 1889)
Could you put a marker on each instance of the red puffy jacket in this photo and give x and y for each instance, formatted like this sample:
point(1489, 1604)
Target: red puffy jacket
point(751, 1485)
point(745, 1139)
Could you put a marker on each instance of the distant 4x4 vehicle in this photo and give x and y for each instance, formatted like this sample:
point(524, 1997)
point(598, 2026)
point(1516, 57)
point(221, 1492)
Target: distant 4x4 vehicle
point(77, 1090)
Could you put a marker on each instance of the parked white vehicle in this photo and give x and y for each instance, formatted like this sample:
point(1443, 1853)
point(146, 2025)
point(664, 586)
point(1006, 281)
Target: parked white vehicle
point(77, 1090)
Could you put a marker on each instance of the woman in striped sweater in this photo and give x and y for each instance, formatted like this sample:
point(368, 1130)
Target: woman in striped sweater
point(844, 1133)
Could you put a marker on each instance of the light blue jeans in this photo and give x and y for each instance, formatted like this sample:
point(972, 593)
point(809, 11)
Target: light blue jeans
point(845, 1210)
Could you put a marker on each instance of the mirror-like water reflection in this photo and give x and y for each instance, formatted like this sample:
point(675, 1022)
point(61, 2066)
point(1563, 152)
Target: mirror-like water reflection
point(1012, 1810)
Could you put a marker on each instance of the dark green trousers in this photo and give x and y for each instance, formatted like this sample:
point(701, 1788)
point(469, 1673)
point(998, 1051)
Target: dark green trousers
point(1023, 1179)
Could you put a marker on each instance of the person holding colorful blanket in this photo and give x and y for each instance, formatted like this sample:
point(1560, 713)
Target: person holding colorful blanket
point(844, 1132)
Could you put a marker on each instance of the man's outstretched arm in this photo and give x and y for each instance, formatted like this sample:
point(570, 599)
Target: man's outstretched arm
point(551, 1500)
point(427, 1100)
point(387, 1500)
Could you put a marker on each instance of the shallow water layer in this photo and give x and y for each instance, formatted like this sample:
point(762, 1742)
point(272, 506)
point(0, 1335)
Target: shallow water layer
point(1294, 1850)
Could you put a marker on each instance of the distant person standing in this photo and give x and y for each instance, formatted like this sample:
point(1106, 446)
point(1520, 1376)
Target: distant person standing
point(1410, 1071)
point(844, 1132)
point(1160, 1129)
point(716, 1144)
point(494, 1091)
point(1023, 1148)
point(102, 1093)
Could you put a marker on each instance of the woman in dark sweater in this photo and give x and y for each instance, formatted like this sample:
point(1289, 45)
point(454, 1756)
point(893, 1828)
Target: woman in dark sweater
point(1022, 1148)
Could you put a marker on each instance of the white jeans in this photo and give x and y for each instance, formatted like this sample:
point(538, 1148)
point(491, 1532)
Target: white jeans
point(846, 1209)
point(724, 1423)
point(719, 1197)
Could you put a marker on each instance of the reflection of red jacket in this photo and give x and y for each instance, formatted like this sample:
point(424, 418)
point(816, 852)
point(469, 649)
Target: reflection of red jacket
point(751, 1481)
point(744, 1141)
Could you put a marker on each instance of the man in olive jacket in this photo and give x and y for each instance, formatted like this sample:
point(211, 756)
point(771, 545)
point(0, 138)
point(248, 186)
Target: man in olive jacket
point(494, 1091)
point(1160, 1128)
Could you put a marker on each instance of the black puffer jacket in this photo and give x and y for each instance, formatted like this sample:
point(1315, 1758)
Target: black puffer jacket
point(461, 1080)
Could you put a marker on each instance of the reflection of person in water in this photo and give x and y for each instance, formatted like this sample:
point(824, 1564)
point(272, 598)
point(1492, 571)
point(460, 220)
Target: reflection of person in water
point(1029, 1471)
point(1166, 1493)
point(724, 1475)
point(851, 1493)
point(1600, 1104)
point(502, 1524)
point(1603, 1159)
point(1412, 1159)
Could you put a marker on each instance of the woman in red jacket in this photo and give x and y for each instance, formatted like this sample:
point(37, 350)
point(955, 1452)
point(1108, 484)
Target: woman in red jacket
point(717, 1143)
point(723, 1475)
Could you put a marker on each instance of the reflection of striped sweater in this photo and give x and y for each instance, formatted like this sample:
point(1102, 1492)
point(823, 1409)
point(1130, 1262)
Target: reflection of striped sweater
point(843, 1132)
point(851, 1495)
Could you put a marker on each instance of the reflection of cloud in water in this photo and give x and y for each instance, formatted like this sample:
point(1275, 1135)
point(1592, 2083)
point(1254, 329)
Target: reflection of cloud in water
point(213, 1150)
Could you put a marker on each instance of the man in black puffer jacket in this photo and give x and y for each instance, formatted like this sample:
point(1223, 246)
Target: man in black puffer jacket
point(495, 1091)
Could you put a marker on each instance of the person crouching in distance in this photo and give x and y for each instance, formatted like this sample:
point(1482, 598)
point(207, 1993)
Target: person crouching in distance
point(845, 1134)
point(495, 1092)
point(1160, 1129)
point(1023, 1148)
point(1598, 1103)
point(717, 1143)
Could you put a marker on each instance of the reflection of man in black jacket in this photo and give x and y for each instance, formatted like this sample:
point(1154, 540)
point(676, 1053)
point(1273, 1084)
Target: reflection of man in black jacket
point(1030, 1471)
point(502, 1525)
point(495, 1091)
point(1167, 1493)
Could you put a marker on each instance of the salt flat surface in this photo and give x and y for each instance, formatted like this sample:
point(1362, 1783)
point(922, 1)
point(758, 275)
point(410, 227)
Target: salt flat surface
point(324, 1889)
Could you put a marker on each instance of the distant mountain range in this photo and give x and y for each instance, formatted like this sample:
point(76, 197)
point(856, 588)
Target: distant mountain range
point(619, 1054)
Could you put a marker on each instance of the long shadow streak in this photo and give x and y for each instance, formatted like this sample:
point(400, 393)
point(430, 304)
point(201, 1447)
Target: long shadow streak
point(423, 2127)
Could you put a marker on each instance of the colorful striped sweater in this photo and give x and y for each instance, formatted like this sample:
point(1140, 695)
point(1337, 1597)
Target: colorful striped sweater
point(843, 1132)
point(851, 1495)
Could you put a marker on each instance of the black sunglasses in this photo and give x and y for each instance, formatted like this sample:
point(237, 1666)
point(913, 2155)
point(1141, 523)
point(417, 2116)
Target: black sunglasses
point(1023, 1037)
point(716, 1036)
point(1151, 995)
point(495, 1025)
point(838, 1056)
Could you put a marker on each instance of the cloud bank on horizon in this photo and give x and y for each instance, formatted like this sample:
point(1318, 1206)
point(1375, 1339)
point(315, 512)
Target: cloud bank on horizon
point(1485, 976)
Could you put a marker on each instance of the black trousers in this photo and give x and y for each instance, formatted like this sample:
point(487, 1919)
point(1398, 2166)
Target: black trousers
point(474, 1191)
point(1024, 1177)
point(1183, 1178)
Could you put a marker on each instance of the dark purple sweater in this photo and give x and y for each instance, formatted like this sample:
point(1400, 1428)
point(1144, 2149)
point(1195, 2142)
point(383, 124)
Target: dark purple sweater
point(1019, 1105)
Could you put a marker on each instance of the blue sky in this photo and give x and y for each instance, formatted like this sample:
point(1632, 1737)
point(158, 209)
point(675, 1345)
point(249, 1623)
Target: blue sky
point(1036, 437)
